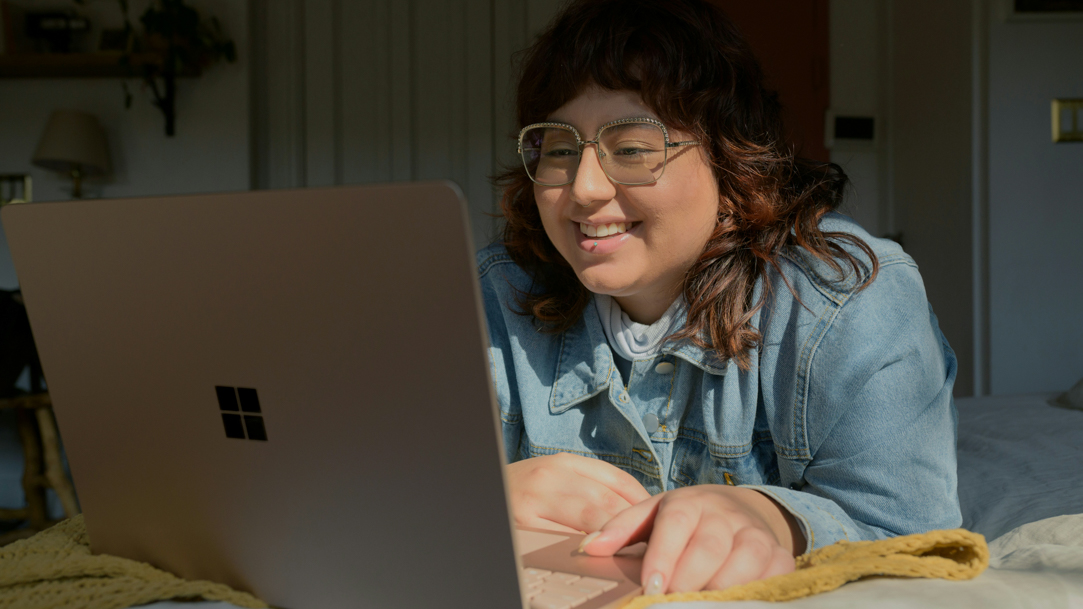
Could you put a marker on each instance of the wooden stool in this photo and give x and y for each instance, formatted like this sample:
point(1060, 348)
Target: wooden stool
point(43, 467)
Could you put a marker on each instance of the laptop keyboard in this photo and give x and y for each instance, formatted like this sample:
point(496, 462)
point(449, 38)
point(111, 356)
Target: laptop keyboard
point(555, 590)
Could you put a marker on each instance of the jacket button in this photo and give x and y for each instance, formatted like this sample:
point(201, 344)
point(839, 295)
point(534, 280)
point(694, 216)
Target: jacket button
point(650, 422)
point(664, 368)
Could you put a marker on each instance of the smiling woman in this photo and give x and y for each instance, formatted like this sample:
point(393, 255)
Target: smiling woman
point(664, 225)
point(689, 346)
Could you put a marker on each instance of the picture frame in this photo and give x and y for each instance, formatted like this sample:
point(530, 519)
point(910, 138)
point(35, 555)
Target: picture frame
point(1024, 11)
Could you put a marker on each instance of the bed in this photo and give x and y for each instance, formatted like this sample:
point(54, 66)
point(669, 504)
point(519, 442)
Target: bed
point(1020, 485)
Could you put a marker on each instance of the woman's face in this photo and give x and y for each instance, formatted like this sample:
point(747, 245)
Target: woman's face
point(668, 222)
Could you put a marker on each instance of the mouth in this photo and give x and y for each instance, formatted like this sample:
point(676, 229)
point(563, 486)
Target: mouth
point(606, 231)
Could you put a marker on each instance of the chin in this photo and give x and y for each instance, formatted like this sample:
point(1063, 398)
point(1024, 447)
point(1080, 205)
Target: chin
point(601, 283)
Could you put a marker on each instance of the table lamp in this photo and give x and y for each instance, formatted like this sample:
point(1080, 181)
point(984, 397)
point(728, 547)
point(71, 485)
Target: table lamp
point(73, 143)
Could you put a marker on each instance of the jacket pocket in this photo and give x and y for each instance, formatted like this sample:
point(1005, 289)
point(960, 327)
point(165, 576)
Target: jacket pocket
point(697, 461)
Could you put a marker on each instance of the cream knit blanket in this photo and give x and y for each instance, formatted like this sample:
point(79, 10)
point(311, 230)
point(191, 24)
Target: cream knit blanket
point(55, 569)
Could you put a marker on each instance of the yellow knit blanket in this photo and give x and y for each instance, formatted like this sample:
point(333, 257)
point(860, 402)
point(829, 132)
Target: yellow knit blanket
point(956, 554)
point(55, 569)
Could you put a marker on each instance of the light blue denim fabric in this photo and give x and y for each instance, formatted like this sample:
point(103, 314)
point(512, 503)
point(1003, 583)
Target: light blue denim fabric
point(845, 417)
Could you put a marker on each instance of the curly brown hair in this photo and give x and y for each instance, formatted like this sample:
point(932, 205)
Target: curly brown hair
point(693, 68)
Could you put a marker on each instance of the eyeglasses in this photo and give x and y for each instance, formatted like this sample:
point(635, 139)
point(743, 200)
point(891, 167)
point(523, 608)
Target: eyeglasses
point(631, 151)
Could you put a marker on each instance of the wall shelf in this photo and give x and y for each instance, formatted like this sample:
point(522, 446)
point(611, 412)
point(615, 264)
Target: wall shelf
point(78, 65)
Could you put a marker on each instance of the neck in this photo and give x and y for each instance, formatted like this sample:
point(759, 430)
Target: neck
point(645, 309)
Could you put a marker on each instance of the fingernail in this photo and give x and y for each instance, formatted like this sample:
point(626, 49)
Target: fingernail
point(654, 585)
point(586, 540)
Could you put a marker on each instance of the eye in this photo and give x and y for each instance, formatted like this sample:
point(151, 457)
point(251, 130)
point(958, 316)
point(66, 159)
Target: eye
point(560, 152)
point(633, 148)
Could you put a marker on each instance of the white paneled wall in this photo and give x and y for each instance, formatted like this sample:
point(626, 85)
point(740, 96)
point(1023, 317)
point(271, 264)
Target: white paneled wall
point(1035, 217)
point(363, 91)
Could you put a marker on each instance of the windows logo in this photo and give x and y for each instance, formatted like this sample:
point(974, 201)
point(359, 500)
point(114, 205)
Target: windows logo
point(240, 413)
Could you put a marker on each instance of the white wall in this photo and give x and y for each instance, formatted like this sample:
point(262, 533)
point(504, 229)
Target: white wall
point(858, 73)
point(209, 152)
point(1035, 208)
point(362, 91)
point(910, 64)
point(932, 159)
point(989, 207)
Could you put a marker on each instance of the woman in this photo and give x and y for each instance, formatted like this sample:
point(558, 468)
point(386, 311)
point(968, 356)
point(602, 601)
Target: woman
point(689, 347)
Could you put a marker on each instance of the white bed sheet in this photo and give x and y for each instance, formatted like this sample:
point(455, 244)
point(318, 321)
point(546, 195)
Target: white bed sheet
point(1020, 460)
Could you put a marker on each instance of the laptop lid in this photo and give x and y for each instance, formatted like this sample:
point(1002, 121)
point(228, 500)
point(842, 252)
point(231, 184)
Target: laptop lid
point(284, 391)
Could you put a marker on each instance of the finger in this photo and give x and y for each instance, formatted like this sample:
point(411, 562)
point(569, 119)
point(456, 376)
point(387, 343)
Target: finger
point(674, 526)
point(631, 526)
point(616, 479)
point(708, 549)
point(782, 562)
point(604, 506)
point(589, 510)
point(752, 554)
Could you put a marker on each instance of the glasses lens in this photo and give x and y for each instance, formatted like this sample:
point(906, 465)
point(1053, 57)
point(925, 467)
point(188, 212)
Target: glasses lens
point(633, 153)
point(550, 155)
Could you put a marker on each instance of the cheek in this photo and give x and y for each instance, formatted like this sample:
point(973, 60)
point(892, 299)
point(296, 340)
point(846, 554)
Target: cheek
point(703, 202)
point(548, 209)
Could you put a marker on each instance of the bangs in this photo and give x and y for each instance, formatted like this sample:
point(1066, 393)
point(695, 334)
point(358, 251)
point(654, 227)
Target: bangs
point(679, 56)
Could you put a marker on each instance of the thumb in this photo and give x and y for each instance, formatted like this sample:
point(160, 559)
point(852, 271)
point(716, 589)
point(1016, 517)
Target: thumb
point(629, 527)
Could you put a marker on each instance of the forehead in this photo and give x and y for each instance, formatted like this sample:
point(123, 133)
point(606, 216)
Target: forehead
point(596, 106)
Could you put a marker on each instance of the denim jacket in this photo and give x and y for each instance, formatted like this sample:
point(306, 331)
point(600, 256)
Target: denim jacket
point(845, 416)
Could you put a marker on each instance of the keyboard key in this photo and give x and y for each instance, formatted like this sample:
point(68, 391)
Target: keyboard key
point(554, 590)
point(584, 592)
point(602, 584)
point(546, 600)
point(563, 578)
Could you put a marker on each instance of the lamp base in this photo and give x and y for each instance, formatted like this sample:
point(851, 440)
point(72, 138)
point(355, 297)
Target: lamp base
point(77, 183)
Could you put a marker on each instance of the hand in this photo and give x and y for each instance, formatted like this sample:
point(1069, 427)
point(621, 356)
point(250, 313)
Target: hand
point(704, 537)
point(570, 493)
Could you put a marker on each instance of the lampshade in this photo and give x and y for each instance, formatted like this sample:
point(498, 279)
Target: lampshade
point(73, 141)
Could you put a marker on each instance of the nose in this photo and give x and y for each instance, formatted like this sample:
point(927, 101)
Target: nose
point(591, 184)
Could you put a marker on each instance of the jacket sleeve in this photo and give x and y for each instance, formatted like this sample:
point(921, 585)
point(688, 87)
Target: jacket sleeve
point(881, 423)
point(501, 368)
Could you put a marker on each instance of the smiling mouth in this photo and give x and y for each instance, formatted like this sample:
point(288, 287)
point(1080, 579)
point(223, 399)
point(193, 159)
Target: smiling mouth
point(602, 231)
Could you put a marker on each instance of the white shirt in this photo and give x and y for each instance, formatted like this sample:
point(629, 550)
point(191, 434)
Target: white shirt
point(631, 340)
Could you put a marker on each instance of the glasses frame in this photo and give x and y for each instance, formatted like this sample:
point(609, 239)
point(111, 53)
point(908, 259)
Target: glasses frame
point(580, 142)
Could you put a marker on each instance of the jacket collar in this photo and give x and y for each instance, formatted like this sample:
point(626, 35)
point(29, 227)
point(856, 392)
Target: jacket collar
point(585, 365)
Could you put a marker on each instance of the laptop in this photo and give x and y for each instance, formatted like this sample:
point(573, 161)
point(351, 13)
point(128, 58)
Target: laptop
point(288, 392)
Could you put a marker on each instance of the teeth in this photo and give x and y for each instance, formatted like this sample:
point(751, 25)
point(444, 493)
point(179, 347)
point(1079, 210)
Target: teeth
point(603, 230)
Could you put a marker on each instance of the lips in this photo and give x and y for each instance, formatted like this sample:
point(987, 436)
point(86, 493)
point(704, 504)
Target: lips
point(622, 233)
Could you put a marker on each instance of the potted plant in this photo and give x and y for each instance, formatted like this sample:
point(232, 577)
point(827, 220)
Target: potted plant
point(178, 41)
